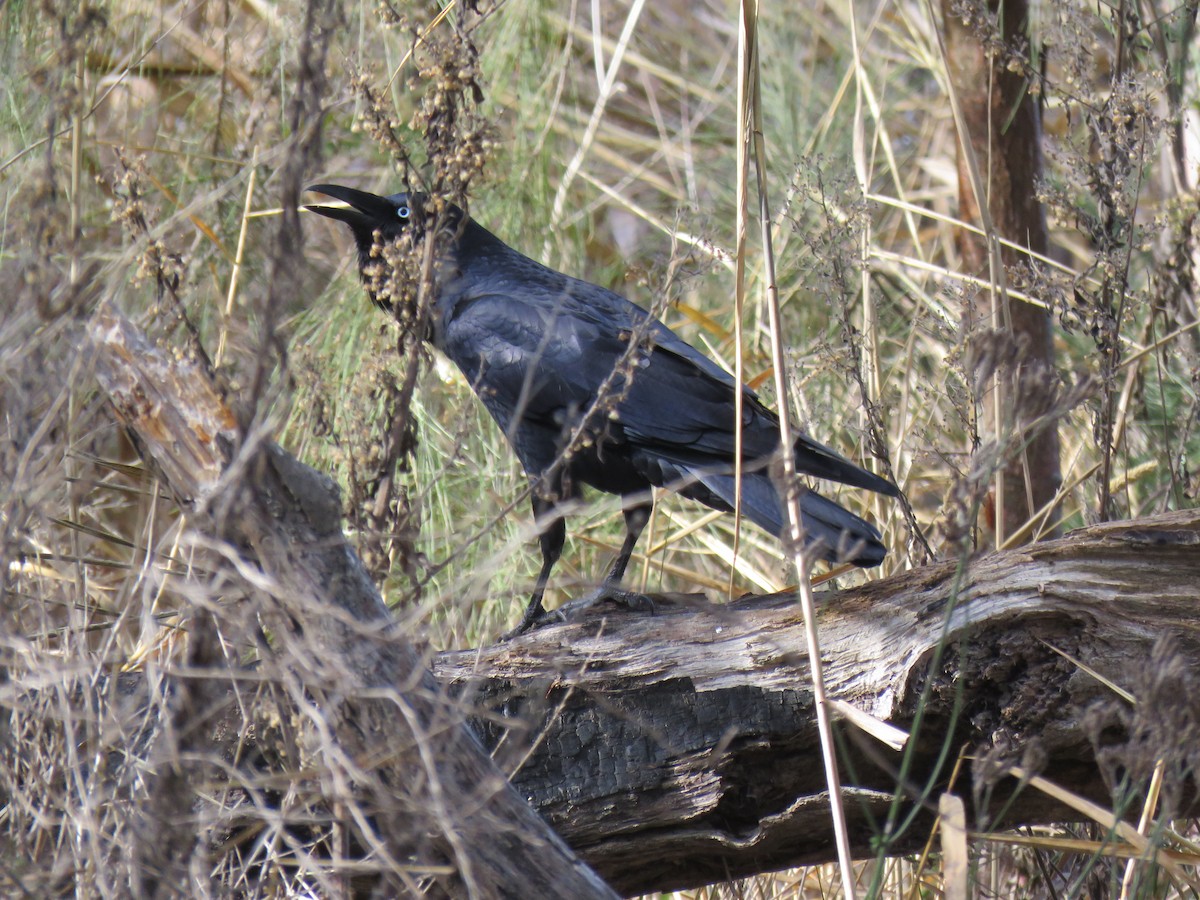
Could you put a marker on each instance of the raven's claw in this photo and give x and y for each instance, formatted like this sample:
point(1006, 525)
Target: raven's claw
point(570, 610)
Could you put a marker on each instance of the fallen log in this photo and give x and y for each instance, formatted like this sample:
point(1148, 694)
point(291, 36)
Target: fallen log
point(680, 748)
point(416, 790)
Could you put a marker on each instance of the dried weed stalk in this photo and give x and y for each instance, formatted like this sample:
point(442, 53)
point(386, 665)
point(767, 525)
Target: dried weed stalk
point(442, 150)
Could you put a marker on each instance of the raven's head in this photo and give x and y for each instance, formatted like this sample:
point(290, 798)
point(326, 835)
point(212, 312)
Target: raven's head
point(378, 222)
point(392, 217)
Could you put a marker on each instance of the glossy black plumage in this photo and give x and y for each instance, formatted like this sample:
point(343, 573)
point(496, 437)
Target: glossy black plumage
point(539, 347)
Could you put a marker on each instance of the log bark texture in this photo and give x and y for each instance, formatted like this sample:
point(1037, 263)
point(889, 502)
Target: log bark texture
point(680, 748)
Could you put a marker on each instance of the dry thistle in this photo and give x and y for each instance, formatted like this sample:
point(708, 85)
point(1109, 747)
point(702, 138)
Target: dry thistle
point(131, 213)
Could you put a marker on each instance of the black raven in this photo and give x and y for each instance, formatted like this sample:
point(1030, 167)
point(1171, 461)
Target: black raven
point(591, 389)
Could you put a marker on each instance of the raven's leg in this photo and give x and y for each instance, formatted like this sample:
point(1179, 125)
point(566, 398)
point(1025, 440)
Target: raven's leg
point(636, 518)
point(552, 538)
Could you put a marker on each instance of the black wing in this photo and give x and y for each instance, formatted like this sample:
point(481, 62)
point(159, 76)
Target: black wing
point(542, 362)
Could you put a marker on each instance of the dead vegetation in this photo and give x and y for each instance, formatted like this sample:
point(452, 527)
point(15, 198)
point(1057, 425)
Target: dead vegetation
point(152, 157)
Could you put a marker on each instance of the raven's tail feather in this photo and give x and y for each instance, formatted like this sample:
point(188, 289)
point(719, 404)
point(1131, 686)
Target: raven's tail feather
point(814, 458)
point(839, 535)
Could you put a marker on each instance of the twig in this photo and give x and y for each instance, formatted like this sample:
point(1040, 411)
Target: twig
point(749, 90)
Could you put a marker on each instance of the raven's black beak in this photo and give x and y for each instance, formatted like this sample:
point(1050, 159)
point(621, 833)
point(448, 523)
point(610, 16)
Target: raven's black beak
point(363, 210)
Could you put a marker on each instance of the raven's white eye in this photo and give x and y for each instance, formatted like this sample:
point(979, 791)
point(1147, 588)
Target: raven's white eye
point(403, 212)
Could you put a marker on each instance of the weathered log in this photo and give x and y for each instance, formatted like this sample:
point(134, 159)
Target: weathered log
point(680, 748)
point(433, 785)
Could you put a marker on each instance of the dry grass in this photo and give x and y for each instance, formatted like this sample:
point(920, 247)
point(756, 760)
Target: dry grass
point(147, 150)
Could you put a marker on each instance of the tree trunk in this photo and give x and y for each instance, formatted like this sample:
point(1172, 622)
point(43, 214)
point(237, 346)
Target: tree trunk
point(1003, 134)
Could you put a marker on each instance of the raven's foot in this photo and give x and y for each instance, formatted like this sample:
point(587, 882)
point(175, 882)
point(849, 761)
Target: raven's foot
point(540, 618)
point(631, 600)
